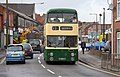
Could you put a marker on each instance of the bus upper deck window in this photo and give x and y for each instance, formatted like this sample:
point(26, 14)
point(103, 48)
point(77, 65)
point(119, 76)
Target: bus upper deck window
point(56, 20)
point(49, 20)
point(74, 19)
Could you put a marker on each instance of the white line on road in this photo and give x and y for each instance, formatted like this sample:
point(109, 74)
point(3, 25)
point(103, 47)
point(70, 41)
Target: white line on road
point(39, 61)
point(50, 71)
point(38, 57)
point(59, 76)
point(45, 67)
point(42, 54)
point(42, 65)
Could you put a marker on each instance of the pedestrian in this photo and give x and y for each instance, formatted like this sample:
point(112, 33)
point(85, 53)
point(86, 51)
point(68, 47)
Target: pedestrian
point(110, 47)
point(74, 19)
point(83, 46)
point(56, 20)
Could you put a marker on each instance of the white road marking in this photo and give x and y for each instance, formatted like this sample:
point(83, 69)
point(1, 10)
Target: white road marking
point(38, 57)
point(45, 67)
point(50, 71)
point(39, 61)
point(99, 69)
point(40, 54)
point(42, 65)
point(59, 76)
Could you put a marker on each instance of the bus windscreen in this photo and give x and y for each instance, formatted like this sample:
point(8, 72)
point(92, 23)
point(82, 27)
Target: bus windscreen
point(62, 41)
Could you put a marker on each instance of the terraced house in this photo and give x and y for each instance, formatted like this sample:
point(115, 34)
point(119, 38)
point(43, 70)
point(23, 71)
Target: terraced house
point(17, 23)
point(116, 26)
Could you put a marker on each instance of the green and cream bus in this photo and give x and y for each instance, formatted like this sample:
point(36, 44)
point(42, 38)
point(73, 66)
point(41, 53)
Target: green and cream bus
point(61, 35)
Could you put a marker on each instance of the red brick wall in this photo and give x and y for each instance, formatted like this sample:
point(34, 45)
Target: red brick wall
point(115, 26)
point(11, 19)
point(1, 18)
point(39, 18)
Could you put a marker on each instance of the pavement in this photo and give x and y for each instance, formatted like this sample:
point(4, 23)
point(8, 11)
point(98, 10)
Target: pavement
point(93, 58)
point(89, 59)
point(2, 54)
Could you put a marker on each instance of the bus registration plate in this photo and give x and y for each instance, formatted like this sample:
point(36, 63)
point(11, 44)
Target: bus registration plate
point(62, 58)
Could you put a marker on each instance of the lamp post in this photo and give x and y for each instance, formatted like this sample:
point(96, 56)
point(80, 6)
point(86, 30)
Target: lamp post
point(100, 18)
point(7, 22)
point(95, 24)
point(100, 22)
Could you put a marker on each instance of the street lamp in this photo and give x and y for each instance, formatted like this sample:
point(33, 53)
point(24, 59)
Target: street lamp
point(100, 22)
point(100, 18)
point(95, 24)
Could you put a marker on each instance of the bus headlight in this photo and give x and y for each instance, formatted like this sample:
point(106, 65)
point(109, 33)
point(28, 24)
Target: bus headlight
point(51, 54)
point(72, 59)
point(72, 54)
point(51, 58)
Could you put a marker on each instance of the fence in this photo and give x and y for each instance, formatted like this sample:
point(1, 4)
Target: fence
point(110, 61)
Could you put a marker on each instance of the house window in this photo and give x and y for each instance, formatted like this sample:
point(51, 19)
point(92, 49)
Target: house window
point(118, 9)
point(118, 44)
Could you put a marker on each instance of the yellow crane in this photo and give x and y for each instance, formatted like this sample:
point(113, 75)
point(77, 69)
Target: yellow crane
point(25, 32)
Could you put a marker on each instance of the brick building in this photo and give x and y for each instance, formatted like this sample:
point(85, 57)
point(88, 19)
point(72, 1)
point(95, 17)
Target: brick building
point(17, 23)
point(116, 26)
point(41, 20)
point(88, 29)
point(3, 17)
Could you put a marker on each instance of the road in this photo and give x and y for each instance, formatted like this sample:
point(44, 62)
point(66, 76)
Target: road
point(36, 67)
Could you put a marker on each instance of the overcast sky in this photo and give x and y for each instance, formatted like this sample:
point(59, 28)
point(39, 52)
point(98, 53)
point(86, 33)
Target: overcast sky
point(83, 7)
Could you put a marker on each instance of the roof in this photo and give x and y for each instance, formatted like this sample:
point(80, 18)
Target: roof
point(62, 10)
point(27, 9)
point(14, 44)
point(26, 44)
point(19, 13)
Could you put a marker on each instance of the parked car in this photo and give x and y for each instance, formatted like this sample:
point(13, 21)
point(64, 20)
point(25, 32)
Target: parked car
point(88, 46)
point(97, 45)
point(14, 53)
point(28, 50)
point(36, 44)
point(102, 45)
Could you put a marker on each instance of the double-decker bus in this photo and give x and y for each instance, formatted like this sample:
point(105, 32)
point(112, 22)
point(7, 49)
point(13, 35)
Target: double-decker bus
point(61, 35)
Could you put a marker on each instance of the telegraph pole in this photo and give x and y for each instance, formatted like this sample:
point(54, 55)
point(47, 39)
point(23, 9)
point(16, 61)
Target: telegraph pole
point(7, 22)
point(104, 23)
